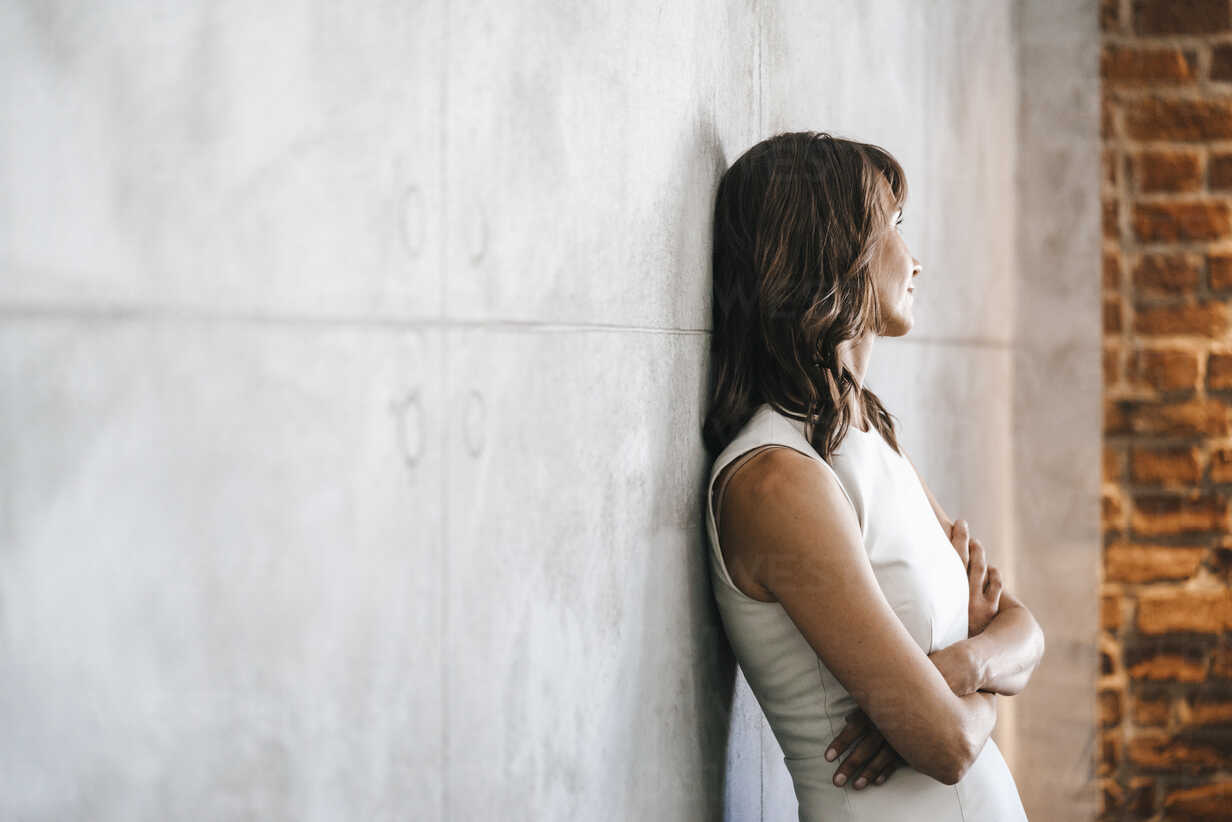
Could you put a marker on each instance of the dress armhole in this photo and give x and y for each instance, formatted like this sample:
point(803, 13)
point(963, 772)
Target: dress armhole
point(729, 471)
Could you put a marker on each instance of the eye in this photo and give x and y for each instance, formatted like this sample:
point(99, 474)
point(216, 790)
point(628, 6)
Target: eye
point(897, 223)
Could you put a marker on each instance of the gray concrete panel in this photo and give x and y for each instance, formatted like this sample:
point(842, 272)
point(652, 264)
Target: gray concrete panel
point(220, 588)
point(742, 782)
point(587, 675)
point(584, 144)
point(257, 157)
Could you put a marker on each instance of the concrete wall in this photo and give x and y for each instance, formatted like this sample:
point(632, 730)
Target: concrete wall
point(352, 367)
point(1058, 402)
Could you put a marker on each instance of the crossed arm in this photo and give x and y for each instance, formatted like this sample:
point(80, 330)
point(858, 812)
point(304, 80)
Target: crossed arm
point(1004, 655)
point(1000, 659)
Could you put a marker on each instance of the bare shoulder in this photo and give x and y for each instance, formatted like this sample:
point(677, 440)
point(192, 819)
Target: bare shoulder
point(771, 499)
point(776, 479)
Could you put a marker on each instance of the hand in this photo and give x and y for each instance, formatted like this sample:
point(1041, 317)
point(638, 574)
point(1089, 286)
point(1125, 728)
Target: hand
point(959, 666)
point(871, 761)
point(983, 580)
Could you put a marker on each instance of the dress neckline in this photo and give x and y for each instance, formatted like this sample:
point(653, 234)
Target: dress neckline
point(799, 424)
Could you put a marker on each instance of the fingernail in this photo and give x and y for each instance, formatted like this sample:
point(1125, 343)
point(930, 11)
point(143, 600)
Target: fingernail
point(861, 782)
point(840, 779)
point(830, 754)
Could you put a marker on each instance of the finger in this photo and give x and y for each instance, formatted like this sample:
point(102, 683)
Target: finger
point(959, 536)
point(976, 566)
point(994, 581)
point(875, 766)
point(857, 723)
point(861, 753)
point(994, 589)
point(885, 774)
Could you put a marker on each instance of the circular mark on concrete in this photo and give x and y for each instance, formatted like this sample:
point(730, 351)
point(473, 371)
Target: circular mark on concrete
point(408, 416)
point(413, 214)
point(476, 233)
point(475, 423)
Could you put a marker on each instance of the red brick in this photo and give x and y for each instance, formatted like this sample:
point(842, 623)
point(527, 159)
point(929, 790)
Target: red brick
point(1111, 795)
point(1110, 15)
point(1140, 796)
point(1221, 464)
point(1219, 371)
point(1167, 273)
point(1111, 160)
point(1180, 465)
point(1219, 271)
point(1109, 752)
point(1115, 460)
point(1169, 668)
point(1134, 66)
point(1124, 562)
point(1170, 222)
point(1202, 611)
point(1112, 269)
point(1109, 707)
point(1219, 172)
point(1220, 561)
point(1113, 509)
point(1112, 315)
point(1119, 415)
point(1203, 802)
point(1191, 417)
point(1180, 120)
point(1111, 218)
point(1182, 657)
point(1158, 750)
point(1221, 661)
point(1112, 364)
point(1110, 612)
point(1107, 119)
point(1164, 369)
point(1151, 711)
point(1210, 703)
point(1202, 319)
point(1221, 62)
point(1178, 513)
point(1180, 16)
point(1167, 170)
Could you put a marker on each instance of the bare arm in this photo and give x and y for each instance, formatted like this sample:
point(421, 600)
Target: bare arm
point(1008, 651)
point(792, 515)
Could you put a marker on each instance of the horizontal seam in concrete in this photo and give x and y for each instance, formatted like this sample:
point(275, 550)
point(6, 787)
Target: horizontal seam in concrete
point(149, 313)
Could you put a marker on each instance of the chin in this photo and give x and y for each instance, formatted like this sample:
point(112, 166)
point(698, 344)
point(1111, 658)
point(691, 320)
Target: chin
point(901, 327)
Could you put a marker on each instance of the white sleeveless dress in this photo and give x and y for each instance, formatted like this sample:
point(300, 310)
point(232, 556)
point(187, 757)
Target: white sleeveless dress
point(806, 706)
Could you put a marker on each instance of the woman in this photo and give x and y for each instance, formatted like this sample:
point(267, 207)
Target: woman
point(866, 621)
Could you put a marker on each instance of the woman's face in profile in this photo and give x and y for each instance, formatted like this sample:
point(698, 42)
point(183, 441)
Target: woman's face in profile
point(894, 271)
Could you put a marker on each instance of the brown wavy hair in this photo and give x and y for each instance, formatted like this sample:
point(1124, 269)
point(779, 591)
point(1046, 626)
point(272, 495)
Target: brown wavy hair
point(797, 221)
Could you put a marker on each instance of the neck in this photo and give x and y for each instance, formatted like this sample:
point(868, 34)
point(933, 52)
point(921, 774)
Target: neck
point(855, 354)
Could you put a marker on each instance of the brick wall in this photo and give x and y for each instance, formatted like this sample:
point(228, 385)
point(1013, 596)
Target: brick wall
point(1165, 687)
